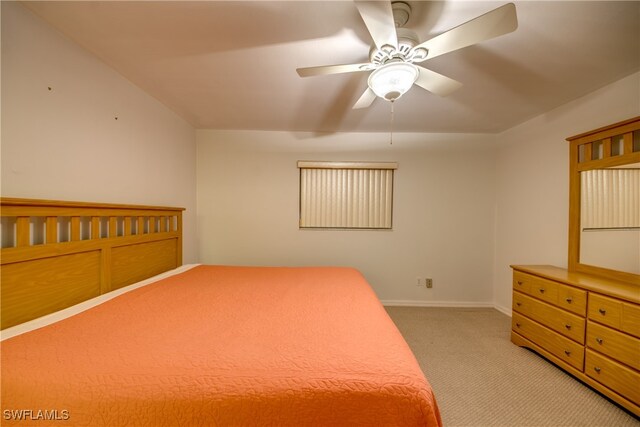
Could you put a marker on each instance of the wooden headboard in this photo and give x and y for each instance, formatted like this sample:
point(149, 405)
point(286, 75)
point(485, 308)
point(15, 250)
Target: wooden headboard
point(56, 254)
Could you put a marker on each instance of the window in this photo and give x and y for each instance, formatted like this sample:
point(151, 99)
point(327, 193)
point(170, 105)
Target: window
point(346, 195)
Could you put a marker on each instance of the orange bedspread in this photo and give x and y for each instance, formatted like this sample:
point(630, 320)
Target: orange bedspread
point(222, 346)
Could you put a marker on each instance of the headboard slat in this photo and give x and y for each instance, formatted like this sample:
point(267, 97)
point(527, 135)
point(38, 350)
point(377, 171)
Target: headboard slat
point(75, 228)
point(23, 233)
point(52, 229)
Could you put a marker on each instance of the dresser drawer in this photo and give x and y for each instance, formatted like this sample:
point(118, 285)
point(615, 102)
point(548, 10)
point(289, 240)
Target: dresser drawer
point(621, 347)
point(613, 375)
point(565, 323)
point(535, 286)
point(615, 313)
point(630, 322)
point(561, 347)
point(522, 282)
point(572, 299)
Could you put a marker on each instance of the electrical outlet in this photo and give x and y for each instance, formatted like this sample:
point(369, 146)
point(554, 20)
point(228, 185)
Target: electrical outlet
point(419, 281)
point(429, 283)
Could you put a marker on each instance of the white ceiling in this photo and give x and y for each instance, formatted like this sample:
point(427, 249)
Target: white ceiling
point(232, 65)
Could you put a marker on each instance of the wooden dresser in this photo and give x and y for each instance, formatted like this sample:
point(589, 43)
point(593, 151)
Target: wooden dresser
point(587, 325)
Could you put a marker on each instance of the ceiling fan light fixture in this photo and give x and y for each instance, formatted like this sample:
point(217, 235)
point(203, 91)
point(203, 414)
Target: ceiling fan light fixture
point(392, 80)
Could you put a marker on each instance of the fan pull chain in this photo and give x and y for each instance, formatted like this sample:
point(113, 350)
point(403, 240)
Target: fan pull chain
point(392, 117)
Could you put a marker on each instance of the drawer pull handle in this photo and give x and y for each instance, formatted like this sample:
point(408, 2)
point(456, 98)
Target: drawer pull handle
point(602, 311)
point(569, 300)
point(597, 369)
point(517, 325)
point(518, 304)
point(567, 352)
point(599, 341)
point(541, 290)
point(519, 282)
point(568, 326)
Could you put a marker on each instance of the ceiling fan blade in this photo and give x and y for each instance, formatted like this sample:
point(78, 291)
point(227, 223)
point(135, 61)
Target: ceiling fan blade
point(334, 69)
point(499, 21)
point(378, 17)
point(436, 83)
point(365, 100)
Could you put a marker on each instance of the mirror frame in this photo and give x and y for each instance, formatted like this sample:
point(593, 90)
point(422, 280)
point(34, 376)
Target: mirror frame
point(581, 159)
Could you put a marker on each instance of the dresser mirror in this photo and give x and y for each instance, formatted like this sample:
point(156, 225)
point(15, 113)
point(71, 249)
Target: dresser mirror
point(604, 208)
point(610, 218)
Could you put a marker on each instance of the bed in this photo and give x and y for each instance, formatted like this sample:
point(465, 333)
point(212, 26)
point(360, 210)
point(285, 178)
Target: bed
point(195, 345)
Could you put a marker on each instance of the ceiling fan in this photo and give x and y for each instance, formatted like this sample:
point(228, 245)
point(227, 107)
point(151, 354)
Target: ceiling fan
point(396, 50)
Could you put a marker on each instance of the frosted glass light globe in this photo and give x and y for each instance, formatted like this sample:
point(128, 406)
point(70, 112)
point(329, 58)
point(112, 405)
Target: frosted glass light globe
point(392, 80)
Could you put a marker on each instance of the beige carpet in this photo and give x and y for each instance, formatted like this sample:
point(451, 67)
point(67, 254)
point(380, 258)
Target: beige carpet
point(481, 379)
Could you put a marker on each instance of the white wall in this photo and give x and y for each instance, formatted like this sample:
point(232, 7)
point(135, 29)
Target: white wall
point(443, 210)
point(532, 166)
point(65, 143)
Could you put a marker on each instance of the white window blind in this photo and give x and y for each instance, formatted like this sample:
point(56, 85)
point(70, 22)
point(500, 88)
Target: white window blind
point(352, 195)
point(610, 198)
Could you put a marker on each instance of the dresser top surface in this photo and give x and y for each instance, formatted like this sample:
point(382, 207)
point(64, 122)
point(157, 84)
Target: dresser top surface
point(623, 290)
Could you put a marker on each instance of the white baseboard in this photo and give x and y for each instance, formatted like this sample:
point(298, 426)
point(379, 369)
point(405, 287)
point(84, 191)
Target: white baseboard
point(411, 303)
point(502, 309)
point(460, 304)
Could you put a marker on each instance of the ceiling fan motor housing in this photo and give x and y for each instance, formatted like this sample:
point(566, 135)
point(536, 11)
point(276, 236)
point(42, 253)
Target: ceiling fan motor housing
point(407, 40)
